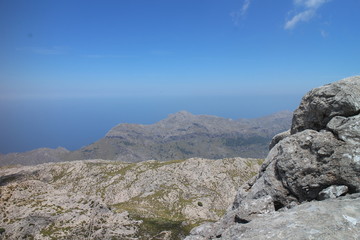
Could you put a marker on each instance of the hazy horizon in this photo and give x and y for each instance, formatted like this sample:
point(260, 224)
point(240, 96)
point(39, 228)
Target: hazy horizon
point(74, 124)
point(71, 70)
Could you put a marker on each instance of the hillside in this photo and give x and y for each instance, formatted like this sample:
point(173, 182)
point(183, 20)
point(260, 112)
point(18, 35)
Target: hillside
point(99, 199)
point(36, 156)
point(184, 135)
point(180, 136)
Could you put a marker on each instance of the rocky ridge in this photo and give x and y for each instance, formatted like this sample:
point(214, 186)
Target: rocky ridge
point(180, 136)
point(185, 135)
point(309, 184)
point(98, 199)
point(36, 156)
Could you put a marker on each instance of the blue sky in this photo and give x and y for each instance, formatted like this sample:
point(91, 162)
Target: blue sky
point(210, 47)
point(171, 49)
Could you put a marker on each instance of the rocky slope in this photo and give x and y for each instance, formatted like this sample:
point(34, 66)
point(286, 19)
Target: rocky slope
point(298, 192)
point(180, 136)
point(37, 156)
point(184, 135)
point(99, 199)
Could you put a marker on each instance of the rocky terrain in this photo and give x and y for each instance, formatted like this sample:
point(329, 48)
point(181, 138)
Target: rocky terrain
point(180, 136)
point(308, 187)
point(37, 156)
point(309, 184)
point(97, 199)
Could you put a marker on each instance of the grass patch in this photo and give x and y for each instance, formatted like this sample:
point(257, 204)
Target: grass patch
point(260, 161)
point(155, 228)
point(58, 175)
point(49, 232)
point(122, 171)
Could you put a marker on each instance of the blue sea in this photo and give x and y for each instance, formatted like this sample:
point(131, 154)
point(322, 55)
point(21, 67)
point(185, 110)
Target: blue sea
point(73, 123)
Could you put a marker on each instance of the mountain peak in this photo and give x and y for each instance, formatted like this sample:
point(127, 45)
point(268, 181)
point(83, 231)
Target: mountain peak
point(181, 116)
point(182, 113)
point(181, 135)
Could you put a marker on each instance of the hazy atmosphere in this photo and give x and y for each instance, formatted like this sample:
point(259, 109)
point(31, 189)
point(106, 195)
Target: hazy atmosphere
point(71, 70)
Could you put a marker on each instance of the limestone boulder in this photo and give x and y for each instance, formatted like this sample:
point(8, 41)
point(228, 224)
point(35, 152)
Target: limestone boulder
point(298, 168)
point(321, 104)
point(333, 219)
point(311, 161)
point(298, 191)
point(346, 128)
point(278, 137)
point(333, 192)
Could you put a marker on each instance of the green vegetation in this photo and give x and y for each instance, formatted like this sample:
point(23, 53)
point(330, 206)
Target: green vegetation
point(154, 228)
point(59, 175)
point(260, 161)
point(241, 141)
point(167, 209)
point(159, 217)
point(157, 164)
point(253, 162)
point(28, 237)
point(121, 171)
point(51, 231)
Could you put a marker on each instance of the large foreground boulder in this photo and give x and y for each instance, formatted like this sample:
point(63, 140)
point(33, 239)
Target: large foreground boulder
point(321, 104)
point(331, 219)
point(317, 161)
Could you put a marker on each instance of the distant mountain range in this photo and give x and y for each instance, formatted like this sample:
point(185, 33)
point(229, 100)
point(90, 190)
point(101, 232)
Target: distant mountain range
point(180, 136)
point(36, 156)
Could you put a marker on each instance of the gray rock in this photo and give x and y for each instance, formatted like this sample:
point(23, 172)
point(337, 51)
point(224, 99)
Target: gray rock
point(311, 161)
point(346, 128)
point(249, 210)
point(301, 166)
point(326, 220)
point(320, 105)
point(333, 192)
point(332, 219)
point(319, 160)
point(96, 199)
point(206, 229)
point(278, 137)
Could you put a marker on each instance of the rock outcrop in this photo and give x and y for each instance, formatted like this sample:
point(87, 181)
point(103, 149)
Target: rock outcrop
point(297, 193)
point(97, 199)
point(321, 104)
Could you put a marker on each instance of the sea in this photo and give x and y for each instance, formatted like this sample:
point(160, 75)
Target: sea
point(26, 124)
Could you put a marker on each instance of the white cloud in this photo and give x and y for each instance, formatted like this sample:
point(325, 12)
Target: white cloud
point(324, 34)
point(311, 3)
point(309, 8)
point(237, 15)
point(301, 17)
point(245, 6)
